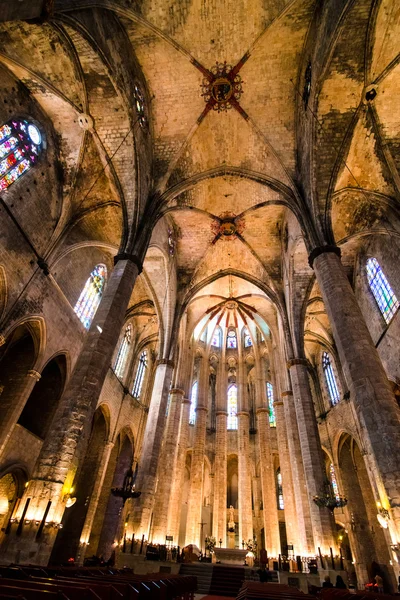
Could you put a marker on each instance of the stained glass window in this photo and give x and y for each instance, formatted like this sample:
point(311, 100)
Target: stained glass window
point(232, 407)
point(91, 294)
point(216, 339)
point(193, 403)
point(330, 379)
point(381, 289)
point(247, 339)
point(270, 398)
point(332, 475)
point(20, 146)
point(140, 373)
point(139, 103)
point(123, 351)
point(279, 490)
point(231, 341)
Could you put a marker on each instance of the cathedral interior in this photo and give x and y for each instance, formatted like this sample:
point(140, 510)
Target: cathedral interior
point(199, 280)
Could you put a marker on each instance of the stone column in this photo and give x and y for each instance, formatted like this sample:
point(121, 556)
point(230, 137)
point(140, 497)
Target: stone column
point(287, 484)
point(197, 469)
point(94, 501)
point(55, 470)
point(268, 485)
point(245, 507)
point(167, 464)
point(150, 454)
point(311, 451)
point(370, 392)
point(221, 472)
point(175, 505)
point(306, 540)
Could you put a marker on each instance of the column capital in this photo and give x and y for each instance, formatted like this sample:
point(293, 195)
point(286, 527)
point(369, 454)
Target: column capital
point(200, 408)
point(322, 250)
point(35, 374)
point(297, 361)
point(165, 361)
point(221, 413)
point(131, 257)
point(262, 409)
point(177, 391)
point(286, 393)
point(243, 413)
point(278, 402)
point(186, 401)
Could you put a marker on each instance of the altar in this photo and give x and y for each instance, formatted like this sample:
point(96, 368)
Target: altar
point(230, 556)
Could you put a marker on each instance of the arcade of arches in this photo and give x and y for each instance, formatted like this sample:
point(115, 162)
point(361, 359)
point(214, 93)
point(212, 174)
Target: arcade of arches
point(199, 275)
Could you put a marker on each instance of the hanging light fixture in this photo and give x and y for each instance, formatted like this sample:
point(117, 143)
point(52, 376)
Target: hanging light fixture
point(328, 499)
point(128, 487)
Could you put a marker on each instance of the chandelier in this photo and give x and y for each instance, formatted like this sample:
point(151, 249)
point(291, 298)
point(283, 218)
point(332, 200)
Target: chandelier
point(328, 499)
point(128, 487)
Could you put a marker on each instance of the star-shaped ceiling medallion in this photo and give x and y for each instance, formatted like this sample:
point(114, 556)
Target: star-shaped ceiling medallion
point(223, 89)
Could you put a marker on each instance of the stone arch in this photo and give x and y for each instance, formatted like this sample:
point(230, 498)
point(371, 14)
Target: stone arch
point(41, 405)
point(12, 484)
point(232, 481)
point(18, 356)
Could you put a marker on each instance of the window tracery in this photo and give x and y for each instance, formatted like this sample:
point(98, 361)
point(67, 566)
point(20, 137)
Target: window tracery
point(279, 490)
point(139, 103)
point(193, 403)
point(232, 407)
point(330, 379)
point(381, 289)
point(231, 341)
point(334, 484)
point(123, 351)
point(20, 147)
point(216, 339)
point(90, 297)
point(140, 373)
point(247, 339)
point(270, 398)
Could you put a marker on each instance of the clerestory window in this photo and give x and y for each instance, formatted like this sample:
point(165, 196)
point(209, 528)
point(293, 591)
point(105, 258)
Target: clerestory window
point(330, 379)
point(20, 148)
point(232, 407)
point(120, 361)
point(381, 289)
point(270, 398)
point(91, 294)
point(140, 373)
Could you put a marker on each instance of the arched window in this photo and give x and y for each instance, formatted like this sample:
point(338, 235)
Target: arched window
point(270, 398)
point(279, 490)
point(91, 294)
point(330, 379)
point(140, 373)
point(334, 484)
point(232, 407)
point(20, 147)
point(123, 351)
point(247, 339)
point(216, 339)
point(193, 403)
point(231, 341)
point(381, 289)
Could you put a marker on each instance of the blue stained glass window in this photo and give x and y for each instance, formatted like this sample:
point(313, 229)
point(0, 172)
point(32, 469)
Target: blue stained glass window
point(193, 403)
point(140, 373)
point(232, 407)
point(270, 398)
point(20, 147)
point(122, 355)
point(381, 289)
point(91, 294)
point(332, 475)
point(231, 341)
point(279, 490)
point(247, 340)
point(216, 339)
point(330, 379)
